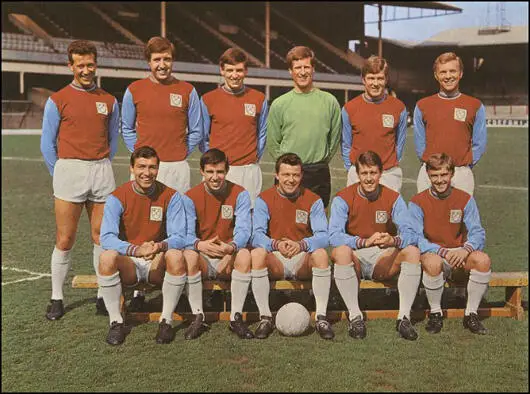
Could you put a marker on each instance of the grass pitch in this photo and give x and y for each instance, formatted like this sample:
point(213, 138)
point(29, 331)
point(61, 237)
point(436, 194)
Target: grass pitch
point(71, 354)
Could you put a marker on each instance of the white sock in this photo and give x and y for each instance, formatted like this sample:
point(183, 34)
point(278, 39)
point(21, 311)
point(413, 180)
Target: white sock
point(238, 290)
point(346, 281)
point(61, 262)
point(321, 285)
point(111, 291)
point(195, 293)
point(434, 288)
point(96, 252)
point(476, 288)
point(261, 288)
point(171, 290)
point(408, 282)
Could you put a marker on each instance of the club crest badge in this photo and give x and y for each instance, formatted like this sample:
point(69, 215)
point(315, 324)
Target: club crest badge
point(175, 100)
point(460, 114)
point(227, 212)
point(250, 110)
point(381, 217)
point(102, 108)
point(455, 216)
point(388, 120)
point(156, 214)
point(301, 216)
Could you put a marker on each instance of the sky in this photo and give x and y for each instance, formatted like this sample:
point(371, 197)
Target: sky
point(473, 14)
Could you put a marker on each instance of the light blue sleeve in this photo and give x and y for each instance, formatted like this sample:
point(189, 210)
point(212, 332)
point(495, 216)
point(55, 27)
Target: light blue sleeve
point(114, 129)
point(416, 220)
point(262, 129)
point(319, 226)
point(50, 128)
point(347, 139)
point(243, 226)
point(191, 222)
point(110, 227)
point(337, 225)
point(176, 223)
point(128, 121)
point(195, 130)
point(204, 145)
point(480, 135)
point(476, 235)
point(419, 132)
point(260, 225)
point(400, 217)
point(401, 134)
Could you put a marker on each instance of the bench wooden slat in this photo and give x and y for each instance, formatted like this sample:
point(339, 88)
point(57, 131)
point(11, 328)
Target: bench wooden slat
point(498, 279)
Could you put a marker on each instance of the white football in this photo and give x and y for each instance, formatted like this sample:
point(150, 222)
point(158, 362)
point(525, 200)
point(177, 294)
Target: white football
point(292, 319)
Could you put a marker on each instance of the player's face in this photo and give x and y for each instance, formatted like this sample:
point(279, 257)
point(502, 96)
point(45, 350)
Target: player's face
point(234, 75)
point(302, 73)
point(440, 179)
point(374, 84)
point(448, 76)
point(84, 69)
point(145, 171)
point(369, 177)
point(161, 64)
point(289, 178)
point(214, 175)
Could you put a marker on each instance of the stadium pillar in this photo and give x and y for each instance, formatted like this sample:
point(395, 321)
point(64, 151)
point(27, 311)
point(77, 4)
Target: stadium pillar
point(21, 80)
point(163, 18)
point(380, 28)
point(267, 34)
point(98, 81)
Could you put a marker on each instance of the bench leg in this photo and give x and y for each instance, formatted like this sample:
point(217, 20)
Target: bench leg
point(514, 301)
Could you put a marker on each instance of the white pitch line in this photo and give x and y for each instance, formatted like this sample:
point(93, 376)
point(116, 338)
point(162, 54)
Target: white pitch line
point(24, 271)
point(22, 280)
point(335, 169)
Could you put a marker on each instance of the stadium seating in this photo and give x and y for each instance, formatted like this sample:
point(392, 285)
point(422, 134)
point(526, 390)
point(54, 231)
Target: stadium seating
point(512, 281)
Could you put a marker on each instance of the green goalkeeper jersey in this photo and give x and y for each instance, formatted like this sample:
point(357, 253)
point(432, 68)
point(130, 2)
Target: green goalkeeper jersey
point(308, 124)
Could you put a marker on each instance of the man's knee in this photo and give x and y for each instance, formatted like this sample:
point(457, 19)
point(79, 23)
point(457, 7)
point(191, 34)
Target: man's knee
point(175, 263)
point(258, 258)
point(342, 255)
point(191, 260)
point(431, 263)
point(66, 241)
point(319, 259)
point(243, 261)
point(480, 261)
point(108, 262)
point(411, 254)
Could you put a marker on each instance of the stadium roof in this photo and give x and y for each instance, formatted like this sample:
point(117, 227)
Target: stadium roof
point(467, 36)
point(431, 5)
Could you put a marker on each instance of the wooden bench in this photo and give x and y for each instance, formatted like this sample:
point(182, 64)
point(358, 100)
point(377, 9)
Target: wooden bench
point(512, 281)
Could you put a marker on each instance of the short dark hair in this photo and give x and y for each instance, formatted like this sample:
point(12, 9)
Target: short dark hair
point(291, 159)
point(438, 160)
point(233, 56)
point(145, 152)
point(368, 158)
point(298, 53)
point(81, 47)
point(214, 156)
point(157, 45)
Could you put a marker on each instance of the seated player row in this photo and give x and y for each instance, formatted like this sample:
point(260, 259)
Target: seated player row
point(152, 233)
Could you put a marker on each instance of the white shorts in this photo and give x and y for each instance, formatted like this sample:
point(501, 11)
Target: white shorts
point(292, 265)
point(368, 258)
point(175, 174)
point(392, 178)
point(212, 263)
point(142, 268)
point(463, 179)
point(249, 176)
point(77, 180)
